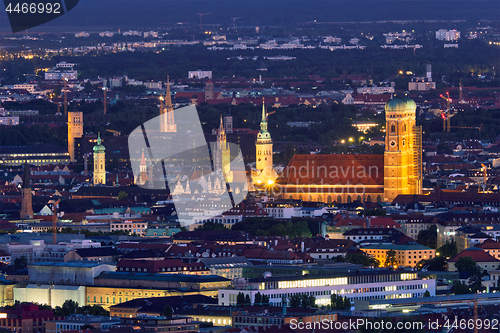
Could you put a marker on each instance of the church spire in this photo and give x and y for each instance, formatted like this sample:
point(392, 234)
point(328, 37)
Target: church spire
point(222, 131)
point(263, 122)
point(168, 98)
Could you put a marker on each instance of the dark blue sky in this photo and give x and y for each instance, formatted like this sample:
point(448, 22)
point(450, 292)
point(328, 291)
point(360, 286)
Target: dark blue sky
point(100, 14)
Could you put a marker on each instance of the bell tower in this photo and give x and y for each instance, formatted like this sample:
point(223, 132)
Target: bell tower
point(403, 150)
point(26, 199)
point(264, 145)
point(99, 163)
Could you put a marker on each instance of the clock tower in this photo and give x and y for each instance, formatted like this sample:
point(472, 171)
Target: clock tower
point(403, 149)
point(264, 146)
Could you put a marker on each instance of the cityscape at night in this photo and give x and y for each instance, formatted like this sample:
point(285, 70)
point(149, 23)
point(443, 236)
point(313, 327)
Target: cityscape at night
point(230, 166)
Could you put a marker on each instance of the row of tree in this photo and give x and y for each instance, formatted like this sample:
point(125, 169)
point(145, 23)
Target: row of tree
point(300, 300)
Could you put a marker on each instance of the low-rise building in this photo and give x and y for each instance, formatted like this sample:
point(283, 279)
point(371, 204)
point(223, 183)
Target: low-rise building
point(101, 254)
point(491, 247)
point(77, 273)
point(76, 323)
point(355, 285)
point(482, 258)
point(25, 318)
point(132, 227)
point(406, 255)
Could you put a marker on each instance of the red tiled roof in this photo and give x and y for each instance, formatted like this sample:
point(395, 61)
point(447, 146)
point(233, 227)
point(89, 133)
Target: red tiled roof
point(384, 222)
point(477, 254)
point(488, 244)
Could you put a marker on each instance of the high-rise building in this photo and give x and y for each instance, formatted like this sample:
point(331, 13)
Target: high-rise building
point(75, 130)
point(403, 149)
point(26, 200)
point(167, 121)
point(99, 163)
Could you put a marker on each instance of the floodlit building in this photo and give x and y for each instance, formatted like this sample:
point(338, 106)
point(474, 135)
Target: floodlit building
point(359, 285)
point(447, 35)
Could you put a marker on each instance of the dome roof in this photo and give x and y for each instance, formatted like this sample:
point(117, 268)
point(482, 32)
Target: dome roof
point(99, 148)
point(401, 105)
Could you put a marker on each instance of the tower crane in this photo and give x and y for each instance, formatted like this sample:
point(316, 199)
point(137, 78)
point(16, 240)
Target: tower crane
point(54, 221)
point(201, 19)
point(104, 100)
point(485, 176)
point(447, 115)
point(269, 113)
point(85, 163)
point(234, 19)
point(65, 96)
point(115, 133)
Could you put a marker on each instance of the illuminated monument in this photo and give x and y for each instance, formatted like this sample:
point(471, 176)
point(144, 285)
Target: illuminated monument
point(167, 121)
point(264, 172)
point(345, 178)
point(99, 163)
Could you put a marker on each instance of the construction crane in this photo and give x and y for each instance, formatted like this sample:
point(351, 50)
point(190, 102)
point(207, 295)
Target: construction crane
point(65, 96)
point(485, 176)
point(104, 101)
point(269, 113)
point(201, 19)
point(446, 118)
point(115, 133)
point(469, 127)
point(54, 221)
point(234, 19)
point(460, 96)
point(85, 163)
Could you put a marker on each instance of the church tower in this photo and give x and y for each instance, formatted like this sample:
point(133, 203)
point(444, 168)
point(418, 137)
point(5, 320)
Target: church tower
point(209, 90)
point(26, 200)
point(264, 146)
point(222, 156)
point(403, 149)
point(144, 175)
point(75, 130)
point(99, 163)
point(167, 121)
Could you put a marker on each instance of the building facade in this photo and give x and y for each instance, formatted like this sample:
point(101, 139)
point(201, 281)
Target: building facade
point(26, 199)
point(383, 284)
point(167, 121)
point(403, 150)
point(345, 178)
point(99, 163)
point(75, 130)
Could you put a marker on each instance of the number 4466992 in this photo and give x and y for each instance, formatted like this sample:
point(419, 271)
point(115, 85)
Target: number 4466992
point(34, 8)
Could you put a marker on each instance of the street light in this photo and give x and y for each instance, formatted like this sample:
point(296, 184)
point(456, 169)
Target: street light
point(351, 139)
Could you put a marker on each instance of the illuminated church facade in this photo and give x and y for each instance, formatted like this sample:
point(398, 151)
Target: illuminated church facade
point(345, 178)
